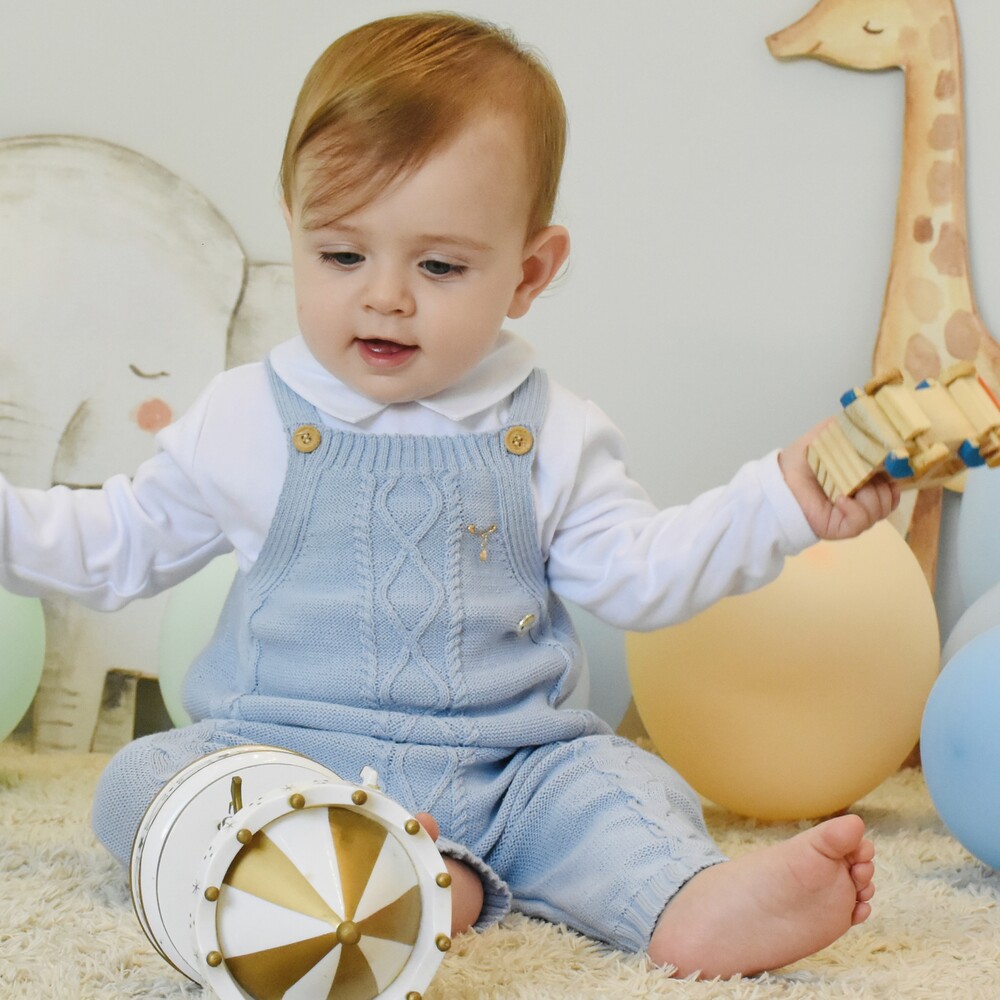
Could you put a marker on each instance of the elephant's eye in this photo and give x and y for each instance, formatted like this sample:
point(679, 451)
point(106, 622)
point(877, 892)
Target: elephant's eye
point(142, 374)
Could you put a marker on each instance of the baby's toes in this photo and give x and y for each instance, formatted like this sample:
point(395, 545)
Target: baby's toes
point(864, 853)
point(865, 893)
point(862, 874)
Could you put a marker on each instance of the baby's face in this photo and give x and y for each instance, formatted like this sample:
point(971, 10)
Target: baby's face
point(403, 296)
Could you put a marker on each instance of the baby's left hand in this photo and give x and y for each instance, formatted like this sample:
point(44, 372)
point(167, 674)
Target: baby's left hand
point(849, 516)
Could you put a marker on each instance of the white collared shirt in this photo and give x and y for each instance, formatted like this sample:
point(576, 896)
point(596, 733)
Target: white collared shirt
point(214, 482)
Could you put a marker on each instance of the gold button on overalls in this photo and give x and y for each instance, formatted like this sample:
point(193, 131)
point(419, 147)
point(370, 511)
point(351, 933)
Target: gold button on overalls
point(524, 625)
point(306, 438)
point(519, 440)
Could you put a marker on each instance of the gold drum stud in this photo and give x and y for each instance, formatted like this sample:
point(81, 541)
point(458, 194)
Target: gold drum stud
point(212, 893)
point(297, 801)
point(244, 836)
point(443, 880)
point(360, 797)
point(443, 942)
point(214, 959)
point(412, 827)
point(413, 995)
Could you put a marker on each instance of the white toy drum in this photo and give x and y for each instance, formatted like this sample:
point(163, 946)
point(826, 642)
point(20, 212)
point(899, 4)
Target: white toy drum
point(261, 874)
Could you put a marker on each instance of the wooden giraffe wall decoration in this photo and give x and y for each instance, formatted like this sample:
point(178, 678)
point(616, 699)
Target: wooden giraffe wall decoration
point(929, 317)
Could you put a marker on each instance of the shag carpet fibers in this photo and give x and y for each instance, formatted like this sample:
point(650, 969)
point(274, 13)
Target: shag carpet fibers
point(68, 931)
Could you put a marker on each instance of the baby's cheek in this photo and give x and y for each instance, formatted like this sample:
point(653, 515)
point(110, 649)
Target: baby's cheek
point(153, 415)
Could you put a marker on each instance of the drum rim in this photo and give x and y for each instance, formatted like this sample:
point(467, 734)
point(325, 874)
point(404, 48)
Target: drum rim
point(150, 813)
point(422, 852)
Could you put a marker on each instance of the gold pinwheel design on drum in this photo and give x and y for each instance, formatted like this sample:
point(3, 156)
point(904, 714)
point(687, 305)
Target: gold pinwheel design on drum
point(322, 902)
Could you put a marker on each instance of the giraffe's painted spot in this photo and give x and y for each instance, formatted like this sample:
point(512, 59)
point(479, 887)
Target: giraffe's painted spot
point(947, 85)
point(941, 182)
point(923, 229)
point(962, 334)
point(153, 415)
point(943, 40)
point(921, 359)
point(949, 254)
point(945, 132)
point(909, 39)
point(925, 299)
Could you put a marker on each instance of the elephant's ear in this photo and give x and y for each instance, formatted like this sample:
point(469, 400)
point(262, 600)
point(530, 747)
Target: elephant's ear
point(266, 315)
point(117, 291)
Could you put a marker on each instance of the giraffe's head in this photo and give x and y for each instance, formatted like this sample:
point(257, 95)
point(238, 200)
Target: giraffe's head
point(864, 34)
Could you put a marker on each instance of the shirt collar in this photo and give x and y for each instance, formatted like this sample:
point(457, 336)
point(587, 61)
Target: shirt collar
point(492, 380)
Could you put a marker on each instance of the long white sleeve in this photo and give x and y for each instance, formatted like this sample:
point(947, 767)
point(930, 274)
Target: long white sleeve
point(613, 552)
point(108, 546)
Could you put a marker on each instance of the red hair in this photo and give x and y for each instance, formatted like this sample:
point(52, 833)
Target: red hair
point(384, 97)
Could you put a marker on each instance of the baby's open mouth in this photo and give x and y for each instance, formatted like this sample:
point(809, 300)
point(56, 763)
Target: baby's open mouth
point(385, 346)
point(384, 353)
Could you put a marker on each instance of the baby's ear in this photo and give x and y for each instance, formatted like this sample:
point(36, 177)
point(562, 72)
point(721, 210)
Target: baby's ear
point(544, 254)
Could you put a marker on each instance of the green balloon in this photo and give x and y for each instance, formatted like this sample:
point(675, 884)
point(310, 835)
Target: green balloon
point(189, 621)
point(22, 653)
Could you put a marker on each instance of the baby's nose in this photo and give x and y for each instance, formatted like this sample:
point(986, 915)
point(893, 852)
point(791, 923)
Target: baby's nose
point(388, 293)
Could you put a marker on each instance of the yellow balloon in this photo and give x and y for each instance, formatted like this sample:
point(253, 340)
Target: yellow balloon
point(794, 701)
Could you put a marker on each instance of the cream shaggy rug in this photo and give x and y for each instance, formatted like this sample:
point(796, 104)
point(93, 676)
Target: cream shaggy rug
point(67, 930)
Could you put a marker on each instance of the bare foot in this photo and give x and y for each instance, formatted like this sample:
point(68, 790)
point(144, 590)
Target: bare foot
point(771, 907)
point(466, 886)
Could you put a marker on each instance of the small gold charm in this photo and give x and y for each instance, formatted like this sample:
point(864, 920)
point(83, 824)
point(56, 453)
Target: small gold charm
point(483, 536)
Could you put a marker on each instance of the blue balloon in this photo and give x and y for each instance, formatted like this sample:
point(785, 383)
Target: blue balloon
point(960, 746)
point(981, 616)
point(977, 542)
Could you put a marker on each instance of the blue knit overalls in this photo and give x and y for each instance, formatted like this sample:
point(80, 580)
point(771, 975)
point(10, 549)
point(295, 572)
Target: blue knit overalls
point(399, 616)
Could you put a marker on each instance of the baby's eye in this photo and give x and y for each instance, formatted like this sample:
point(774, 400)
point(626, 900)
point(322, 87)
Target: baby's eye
point(342, 258)
point(441, 268)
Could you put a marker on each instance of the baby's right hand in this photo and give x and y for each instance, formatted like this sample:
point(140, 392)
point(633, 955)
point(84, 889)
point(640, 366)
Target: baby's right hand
point(466, 886)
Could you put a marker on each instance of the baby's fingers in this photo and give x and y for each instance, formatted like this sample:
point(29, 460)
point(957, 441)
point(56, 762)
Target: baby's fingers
point(429, 823)
point(875, 501)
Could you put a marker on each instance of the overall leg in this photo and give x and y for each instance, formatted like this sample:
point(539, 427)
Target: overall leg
point(139, 770)
point(598, 834)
